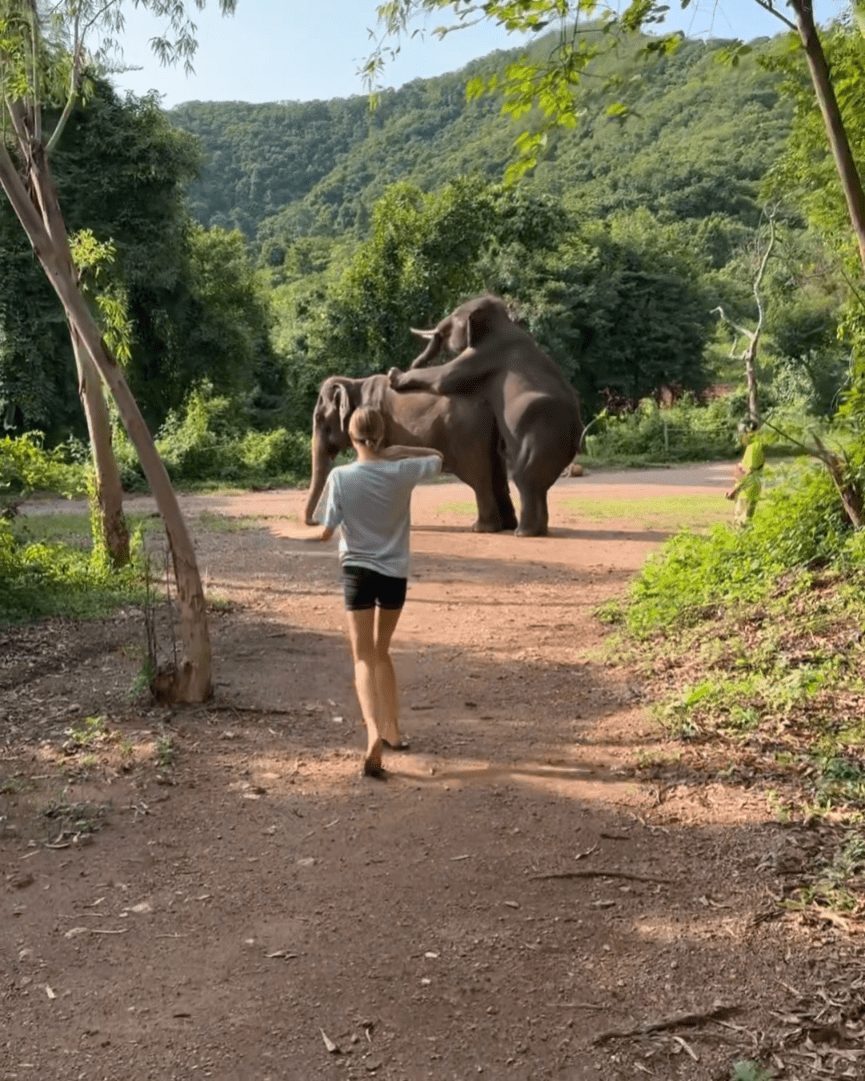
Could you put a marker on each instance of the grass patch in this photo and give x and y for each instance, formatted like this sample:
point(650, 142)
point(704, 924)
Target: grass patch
point(89, 732)
point(68, 822)
point(226, 523)
point(696, 512)
point(778, 683)
point(668, 512)
point(57, 581)
point(465, 509)
point(73, 529)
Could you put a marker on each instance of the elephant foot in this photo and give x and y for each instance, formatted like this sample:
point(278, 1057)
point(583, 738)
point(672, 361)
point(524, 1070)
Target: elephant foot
point(510, 522)
point(531, 531)
point(487, 527)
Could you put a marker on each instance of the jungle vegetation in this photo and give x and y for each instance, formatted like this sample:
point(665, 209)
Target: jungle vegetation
point(240, 253)
point(256, 249)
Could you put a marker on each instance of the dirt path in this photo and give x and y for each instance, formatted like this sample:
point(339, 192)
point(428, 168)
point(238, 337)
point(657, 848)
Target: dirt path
point(222, 896)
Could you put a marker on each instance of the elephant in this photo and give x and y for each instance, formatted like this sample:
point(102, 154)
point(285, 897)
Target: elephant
point(463, 430)
point(535, 408)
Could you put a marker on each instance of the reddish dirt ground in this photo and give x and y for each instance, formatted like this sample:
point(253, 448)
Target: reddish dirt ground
point(215, 892)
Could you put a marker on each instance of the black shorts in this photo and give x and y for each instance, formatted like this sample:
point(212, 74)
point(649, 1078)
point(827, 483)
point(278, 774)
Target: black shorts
point(365, 588)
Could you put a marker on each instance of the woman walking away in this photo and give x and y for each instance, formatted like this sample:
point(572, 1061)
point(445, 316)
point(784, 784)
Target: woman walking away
point(370, 500)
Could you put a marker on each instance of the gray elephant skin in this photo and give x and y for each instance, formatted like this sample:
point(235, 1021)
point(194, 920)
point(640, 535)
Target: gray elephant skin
point(535, 408)
point(464, 431)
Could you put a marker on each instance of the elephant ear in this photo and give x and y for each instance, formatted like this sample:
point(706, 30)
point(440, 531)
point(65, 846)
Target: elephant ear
point(479, 322)
point(325, 395)
point(342, 401)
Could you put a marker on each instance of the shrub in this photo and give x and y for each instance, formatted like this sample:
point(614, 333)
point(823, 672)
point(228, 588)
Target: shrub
point(800, 523)
point(26, 467)
point(210, 441)
point(275, 453)
point(39, 580)
point(682, 432)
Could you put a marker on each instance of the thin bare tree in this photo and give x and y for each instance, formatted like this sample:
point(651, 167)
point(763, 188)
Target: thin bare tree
point(37, 44)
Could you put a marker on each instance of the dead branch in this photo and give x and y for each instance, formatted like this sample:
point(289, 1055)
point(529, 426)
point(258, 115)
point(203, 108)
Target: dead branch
point(601, 874)
point(716, 1013)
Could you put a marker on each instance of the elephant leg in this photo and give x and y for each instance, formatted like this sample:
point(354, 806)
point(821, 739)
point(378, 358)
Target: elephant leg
point(545, 435)
point(459, 376)
point(534, 515)
point(495, 507)
point(488, 497)
point(501, 491)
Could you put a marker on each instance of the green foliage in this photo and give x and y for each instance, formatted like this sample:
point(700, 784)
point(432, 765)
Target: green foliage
point(798, 523)
point(89, 732)
point(26, 467)
point(622, 306)
point(211, 440)
point(807, 169)
point(747, 1069)
point(176, 302)
point(681, 432)
point(695, 145)
point(39, 580)
point(166, 751)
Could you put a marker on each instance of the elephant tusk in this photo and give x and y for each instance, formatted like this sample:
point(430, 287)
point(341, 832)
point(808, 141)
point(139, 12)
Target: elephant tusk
point(427, 334)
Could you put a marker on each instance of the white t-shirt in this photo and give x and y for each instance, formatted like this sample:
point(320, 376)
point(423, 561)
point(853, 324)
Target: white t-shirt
point(371, 501)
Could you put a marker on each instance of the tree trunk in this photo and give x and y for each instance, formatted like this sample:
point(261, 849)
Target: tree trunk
point(43, 222)
point(109, 492)
point(751, 378)
point(848, 488)
point(837, 135)
point(192, 682)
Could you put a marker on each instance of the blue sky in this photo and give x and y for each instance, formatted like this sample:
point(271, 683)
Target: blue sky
point(300, 50)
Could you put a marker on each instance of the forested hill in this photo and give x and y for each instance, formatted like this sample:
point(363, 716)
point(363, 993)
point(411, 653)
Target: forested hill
point(700, 135)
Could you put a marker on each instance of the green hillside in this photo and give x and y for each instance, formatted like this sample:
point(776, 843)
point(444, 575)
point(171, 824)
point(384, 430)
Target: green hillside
point(701, 136)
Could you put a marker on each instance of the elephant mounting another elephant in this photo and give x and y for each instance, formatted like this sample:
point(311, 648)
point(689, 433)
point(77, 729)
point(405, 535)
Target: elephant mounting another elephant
point(499, 366)
point(463, 429)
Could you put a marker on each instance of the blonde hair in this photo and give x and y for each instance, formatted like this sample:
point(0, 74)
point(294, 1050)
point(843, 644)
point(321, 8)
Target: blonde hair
point(367, 426)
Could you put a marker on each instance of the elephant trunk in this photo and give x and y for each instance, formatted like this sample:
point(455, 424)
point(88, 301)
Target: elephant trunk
point(321, 464)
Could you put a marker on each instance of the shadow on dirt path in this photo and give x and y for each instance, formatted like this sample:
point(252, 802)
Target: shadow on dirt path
point(215, 892)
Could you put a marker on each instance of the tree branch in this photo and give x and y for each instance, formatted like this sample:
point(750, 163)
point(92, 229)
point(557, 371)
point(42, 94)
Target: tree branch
point(767, 5)
point(739, 330)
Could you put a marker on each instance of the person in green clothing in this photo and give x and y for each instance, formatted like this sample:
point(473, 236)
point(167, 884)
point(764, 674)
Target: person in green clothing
point(747, 483)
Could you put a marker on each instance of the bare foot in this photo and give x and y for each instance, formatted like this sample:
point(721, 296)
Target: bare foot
point(374, 769)
point(401, 743)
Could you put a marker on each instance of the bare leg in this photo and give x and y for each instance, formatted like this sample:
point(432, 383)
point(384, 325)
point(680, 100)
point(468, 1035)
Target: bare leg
point(370, 632)
point(361, 633)
point(385, 678)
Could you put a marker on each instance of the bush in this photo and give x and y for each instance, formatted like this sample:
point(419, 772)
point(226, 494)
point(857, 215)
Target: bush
point(275, 453)
point(39, 580)
point(800, 523)
point(683, 432)
point(210, 441)
point(25, 468)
